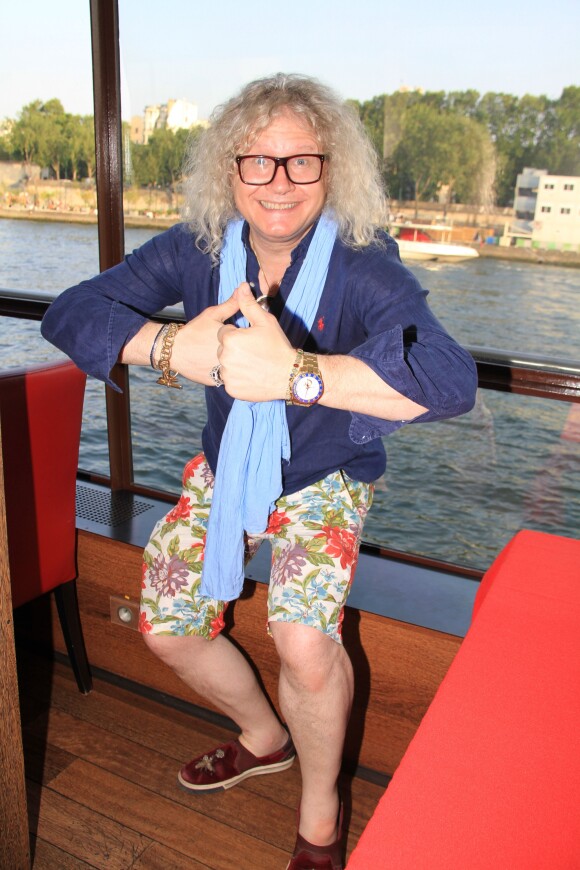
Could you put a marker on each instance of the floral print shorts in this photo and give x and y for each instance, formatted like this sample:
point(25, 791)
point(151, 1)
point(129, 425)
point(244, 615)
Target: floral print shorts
point(315, 536)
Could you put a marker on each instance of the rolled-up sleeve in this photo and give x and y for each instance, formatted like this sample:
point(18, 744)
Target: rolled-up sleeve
point(416, 356)
point(93, 321)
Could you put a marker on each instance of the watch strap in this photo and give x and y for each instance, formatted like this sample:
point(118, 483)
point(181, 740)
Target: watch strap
point(296, 366)
point(304, 362)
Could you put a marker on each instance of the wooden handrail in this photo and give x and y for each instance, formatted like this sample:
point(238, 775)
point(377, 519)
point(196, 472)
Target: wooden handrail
point(527, 375)
point(504, 371)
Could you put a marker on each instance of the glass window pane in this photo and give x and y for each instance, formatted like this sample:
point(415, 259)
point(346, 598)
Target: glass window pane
point(524, 308)
point(528, 308)
point(48, 233)
point(47, 255)
point(166, 426)
point(458, 490)
point(22, 345)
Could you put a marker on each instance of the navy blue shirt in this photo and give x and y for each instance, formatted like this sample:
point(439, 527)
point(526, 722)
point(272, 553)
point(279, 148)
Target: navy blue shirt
point(372, 307)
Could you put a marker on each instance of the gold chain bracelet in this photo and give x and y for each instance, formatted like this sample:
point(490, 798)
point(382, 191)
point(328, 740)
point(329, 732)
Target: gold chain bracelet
point(168, 378)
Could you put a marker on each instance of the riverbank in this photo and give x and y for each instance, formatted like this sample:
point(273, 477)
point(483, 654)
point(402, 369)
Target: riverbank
point(139, 221)
point(531, 255)
point(85, 217)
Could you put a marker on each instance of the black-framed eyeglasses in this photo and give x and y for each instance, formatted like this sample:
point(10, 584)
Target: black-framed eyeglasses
point(299, 168)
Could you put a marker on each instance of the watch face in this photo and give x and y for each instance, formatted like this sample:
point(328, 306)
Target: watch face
point(307, 388)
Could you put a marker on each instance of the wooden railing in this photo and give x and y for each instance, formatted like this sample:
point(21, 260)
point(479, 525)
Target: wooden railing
point(506, 371)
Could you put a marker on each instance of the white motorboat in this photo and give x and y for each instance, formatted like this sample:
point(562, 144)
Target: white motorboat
point(419, 242)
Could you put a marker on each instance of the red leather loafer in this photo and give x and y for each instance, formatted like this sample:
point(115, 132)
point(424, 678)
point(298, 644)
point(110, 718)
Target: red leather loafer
point(231, 763)
point(307, 856)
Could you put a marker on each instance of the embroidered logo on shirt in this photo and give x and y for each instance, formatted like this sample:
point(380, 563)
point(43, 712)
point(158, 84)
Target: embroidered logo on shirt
point(320, 324)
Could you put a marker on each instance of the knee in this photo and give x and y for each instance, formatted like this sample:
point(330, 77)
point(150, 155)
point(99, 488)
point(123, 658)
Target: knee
point(160, 645)
point(174, 650)
point(308, 657)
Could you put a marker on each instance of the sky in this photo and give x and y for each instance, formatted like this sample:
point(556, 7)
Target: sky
point(205, 51)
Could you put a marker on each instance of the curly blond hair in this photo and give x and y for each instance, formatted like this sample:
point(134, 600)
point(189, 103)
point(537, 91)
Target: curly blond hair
point(356, 196)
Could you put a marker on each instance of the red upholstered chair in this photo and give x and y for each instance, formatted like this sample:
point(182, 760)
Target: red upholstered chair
point(40, 418)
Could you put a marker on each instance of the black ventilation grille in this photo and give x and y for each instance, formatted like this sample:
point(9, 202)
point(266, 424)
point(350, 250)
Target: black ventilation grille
point(108, 508)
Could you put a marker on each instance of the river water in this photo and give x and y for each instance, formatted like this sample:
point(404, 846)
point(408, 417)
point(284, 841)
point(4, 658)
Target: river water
point(456, 490)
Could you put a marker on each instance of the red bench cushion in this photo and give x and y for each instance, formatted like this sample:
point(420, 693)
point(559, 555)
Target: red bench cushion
point(492, 777)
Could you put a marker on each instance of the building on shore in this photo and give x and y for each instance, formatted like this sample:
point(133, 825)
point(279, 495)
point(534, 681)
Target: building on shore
point(173, 115)
point(557, 218)
point(546, 212)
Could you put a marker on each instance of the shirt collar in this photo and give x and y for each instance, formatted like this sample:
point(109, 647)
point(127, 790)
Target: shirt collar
point(298, 253)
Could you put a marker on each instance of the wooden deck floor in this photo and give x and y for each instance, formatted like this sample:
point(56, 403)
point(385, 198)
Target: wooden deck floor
point(102, 788)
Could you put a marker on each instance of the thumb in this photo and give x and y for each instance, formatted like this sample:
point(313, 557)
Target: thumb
point(253, 312)
point(224, 310)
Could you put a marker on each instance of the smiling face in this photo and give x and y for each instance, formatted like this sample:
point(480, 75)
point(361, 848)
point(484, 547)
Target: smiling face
point(281, 212)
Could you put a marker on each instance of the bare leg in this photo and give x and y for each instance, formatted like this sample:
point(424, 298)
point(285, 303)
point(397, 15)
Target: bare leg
point(216, 670)
point(316, 689)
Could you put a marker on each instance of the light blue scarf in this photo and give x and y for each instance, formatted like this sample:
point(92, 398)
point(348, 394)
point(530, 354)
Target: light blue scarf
point(256, 438)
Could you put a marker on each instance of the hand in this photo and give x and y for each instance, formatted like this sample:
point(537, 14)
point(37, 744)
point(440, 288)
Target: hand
point(195, 350)
point(256, 362)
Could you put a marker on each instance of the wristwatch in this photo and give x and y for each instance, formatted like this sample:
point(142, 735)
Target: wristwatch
point(305, 386)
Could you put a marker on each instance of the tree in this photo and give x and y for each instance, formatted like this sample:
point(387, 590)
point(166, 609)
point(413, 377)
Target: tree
point(372, 115)
point(559, 148)
point(142, 172)
point(26, 135)
point(38, 135)
point(86, 145)
point(463, 103)
point(473, 179)
point(160, 161)
point(440, 148)
point(424, 151)
point(516, 127)
point(44, 133)
point(5, 147)
point(78, 132)
point(55, 150)
point(397, 175)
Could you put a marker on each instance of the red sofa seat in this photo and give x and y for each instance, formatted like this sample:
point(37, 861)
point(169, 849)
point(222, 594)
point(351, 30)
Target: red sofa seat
point(491, 780)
